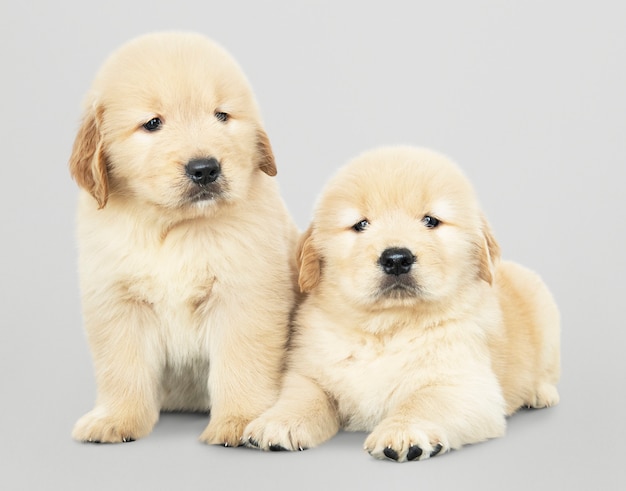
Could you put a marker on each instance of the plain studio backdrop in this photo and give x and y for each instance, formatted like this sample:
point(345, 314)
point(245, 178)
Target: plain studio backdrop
point(528, 97)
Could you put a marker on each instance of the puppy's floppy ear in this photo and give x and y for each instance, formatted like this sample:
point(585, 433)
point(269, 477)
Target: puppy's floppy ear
point(489, 252)
point(265, 154)
point(309, 263)
point(88, 164)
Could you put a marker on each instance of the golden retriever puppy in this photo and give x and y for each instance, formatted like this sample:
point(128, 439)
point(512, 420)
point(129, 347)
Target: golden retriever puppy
point(412, 329)
point(185, 246)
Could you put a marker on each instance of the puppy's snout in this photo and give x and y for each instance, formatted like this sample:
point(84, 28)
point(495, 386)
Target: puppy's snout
point(203, 171)
point(396, 260)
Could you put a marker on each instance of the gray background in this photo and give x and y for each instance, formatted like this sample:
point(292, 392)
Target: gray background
point(527, 96)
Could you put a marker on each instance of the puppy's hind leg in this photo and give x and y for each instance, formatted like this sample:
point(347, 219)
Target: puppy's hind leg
point(545, 334)
point(546, 395)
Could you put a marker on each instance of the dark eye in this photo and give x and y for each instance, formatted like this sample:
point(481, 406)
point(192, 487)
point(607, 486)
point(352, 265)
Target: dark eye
point(360, 226)
point(430, 222)
point(153, 125)
point(220, 116)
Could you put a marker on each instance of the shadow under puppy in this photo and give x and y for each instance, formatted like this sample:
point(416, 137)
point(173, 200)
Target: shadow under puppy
point(412, 328)
point(186, 250)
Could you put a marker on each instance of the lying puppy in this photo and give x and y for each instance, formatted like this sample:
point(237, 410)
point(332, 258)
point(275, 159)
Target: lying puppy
point(412, 330)
point(185, 244)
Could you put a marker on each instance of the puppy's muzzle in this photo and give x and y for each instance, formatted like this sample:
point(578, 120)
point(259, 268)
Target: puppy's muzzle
point(203, 171)
point(396, 261)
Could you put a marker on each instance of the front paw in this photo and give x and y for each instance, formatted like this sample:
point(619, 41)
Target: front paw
point(227, 431)
point(103, 426)
point(403, 441)
point(286, 432)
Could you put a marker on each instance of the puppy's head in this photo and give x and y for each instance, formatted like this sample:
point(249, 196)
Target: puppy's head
point(397, 226)
point(171, 121)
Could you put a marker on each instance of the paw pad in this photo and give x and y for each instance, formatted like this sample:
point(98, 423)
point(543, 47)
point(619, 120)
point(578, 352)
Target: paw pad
point(390, 453)
point(414, 452)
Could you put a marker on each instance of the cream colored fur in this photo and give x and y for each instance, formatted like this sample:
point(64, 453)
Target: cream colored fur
point(423, 370)
point(186, 304)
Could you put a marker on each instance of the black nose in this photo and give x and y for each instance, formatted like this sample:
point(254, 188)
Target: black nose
point(396, 260)
point(203, 171)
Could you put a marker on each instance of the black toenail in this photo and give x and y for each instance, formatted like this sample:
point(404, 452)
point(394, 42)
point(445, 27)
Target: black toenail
point(390, 453)
point(277, 448)
point(436, 450)
point(415, 453)
point(253, 442)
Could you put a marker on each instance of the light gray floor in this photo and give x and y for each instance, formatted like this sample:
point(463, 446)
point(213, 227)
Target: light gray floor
point(528, 97)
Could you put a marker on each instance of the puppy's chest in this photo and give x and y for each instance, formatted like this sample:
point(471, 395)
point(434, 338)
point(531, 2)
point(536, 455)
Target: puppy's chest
point(367, 375)
point(179, 283)
point(184, 283)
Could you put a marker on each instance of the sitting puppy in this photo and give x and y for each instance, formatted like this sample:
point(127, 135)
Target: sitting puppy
point(412, 330)
point(185, 245)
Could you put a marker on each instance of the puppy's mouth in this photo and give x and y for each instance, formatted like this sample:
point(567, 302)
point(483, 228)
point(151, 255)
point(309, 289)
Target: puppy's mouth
point(199, 194)
point(398, 287)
